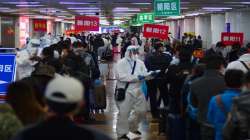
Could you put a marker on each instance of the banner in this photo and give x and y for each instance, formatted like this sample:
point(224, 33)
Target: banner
point(155, 31)
point(87, 23)
point(167, 7)
point(40, 25)
point(7, 71)
point(232, 38)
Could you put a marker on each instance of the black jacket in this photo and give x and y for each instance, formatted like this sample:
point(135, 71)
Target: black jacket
point(59, 128)
point(203, 89)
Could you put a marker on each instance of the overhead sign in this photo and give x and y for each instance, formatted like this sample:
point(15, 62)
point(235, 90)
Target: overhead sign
point(167, 7)
point(155, 31)
point(7, 71)
point(145, 18)
point(40, 25)
point(232, 38)
point(87, 23)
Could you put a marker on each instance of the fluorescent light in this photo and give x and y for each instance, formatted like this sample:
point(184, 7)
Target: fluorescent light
point(142, 3)
point(194, 14)
point(83, 8)
point(4, 8)
point(217, 8)
point(214, 10)
point(126, 9)
point(21, 2)
point(76, 3)
point(26, 5)
point(184, 8)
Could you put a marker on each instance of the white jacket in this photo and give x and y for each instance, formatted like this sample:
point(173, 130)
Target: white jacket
point(238, 65)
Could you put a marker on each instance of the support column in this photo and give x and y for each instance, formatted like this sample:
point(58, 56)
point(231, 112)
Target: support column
point(217, 26)
point(203, 28)
point(189, 25)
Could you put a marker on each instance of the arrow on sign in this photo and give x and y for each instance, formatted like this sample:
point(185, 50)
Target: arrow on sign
point(3, 82)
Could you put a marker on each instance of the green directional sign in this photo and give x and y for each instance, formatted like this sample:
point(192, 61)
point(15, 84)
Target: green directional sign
point(167, 7)
point(145, 18)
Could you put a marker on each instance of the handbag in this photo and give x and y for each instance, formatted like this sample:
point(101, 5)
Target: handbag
point(120, 93)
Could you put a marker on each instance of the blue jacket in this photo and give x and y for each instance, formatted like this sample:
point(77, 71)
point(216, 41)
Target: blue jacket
point(216, 116)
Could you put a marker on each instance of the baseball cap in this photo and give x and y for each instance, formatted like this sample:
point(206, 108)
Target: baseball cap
point(64, 90)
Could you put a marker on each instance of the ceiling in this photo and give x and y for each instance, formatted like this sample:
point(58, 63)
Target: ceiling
point(110, 10)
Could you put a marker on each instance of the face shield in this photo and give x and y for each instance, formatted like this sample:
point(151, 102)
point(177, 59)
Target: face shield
point(33, 46)
point(132, 53)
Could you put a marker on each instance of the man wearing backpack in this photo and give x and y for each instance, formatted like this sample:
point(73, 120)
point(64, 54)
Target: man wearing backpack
point(237, 126)
point(202, 90)
point(220, 105)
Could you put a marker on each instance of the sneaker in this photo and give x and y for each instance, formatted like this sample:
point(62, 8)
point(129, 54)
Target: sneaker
point(137, 132)
point(124, 137)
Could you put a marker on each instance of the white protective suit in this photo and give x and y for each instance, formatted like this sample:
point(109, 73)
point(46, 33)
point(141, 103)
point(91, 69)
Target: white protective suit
point(135, 101)
point(24, 64)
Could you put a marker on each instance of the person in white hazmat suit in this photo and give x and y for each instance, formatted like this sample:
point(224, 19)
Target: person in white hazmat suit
point(24, 60)
point(134, 101)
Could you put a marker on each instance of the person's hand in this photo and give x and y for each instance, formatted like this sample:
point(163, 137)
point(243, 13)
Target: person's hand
point(155, 73)
point(140, 77)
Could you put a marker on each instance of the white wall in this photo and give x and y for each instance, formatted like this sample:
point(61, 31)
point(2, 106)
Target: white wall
point(239, 22)
point(217, 26)
point(189, 25)
point(203, 28)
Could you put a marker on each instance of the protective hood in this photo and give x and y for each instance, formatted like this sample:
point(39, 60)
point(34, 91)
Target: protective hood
point(132, 50)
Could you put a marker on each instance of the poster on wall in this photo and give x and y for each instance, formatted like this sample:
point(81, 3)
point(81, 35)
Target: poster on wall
point(155, 31)
point(8, 32)
point(232, 38)
point(40, 25)
point(87, 23)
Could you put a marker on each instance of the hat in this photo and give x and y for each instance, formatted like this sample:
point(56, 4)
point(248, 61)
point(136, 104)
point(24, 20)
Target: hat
point(64, 90)
point(44, 70)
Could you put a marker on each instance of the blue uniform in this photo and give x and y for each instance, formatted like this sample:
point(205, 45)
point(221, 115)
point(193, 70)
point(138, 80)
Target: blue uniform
point(216, 115)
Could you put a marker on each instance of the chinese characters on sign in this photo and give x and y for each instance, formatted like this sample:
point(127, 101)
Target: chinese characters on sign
point(232, 38)
point(145, 18)
point(40, 25)
point(155, 31)
point(167, 7)
point(7, 71)
point(86, 23)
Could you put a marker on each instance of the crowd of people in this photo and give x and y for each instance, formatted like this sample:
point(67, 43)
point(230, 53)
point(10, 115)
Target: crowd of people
point(205, 97)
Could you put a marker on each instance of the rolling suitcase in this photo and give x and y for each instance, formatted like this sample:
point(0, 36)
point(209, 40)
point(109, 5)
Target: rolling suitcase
point(99, 92)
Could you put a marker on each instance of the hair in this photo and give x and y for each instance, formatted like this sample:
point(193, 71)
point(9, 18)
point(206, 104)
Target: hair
point(185, 55)
point(214, 61)
point(61, 108)
point(198, 70)
point(48, 52)
point(21, 97)
point(234, 78)
point(158, 45)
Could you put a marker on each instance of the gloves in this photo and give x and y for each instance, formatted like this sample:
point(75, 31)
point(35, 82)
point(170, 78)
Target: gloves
point(141, 77)
point(155, 73)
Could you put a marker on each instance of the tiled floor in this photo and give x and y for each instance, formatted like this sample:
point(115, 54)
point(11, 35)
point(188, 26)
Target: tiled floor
point(149, 131)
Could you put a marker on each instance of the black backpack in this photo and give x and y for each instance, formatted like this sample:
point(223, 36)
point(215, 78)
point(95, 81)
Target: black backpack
point(237, 126)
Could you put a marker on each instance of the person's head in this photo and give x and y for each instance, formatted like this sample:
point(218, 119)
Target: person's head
point(185, 55)
point(236, 47)
point(199, 37)
point(131, 53)
point(48, 52)
point(214, 62)
point(242, 51)
point(22, 98)
point(198, 70)
point(66, 99)
point(234, 78)
point(248, 47)
point(159, 47)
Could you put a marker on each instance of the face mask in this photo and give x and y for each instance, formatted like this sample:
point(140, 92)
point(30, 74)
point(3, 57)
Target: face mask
point(244, 89)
